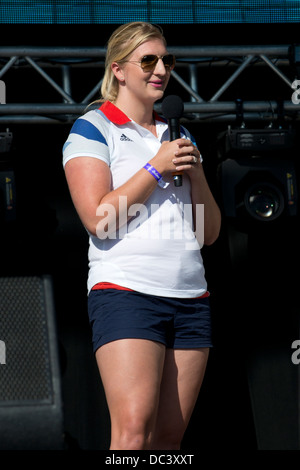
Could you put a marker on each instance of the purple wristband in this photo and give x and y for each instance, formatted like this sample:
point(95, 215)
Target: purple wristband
point(153, 171)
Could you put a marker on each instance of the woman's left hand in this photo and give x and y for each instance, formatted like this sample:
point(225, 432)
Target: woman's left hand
point(187, 157)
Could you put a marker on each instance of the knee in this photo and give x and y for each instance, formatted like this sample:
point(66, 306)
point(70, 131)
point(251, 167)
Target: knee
point(129, 440)
point(132, 436)
point(167, 440)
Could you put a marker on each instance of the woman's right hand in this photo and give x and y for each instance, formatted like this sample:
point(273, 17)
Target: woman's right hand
point(177, 155)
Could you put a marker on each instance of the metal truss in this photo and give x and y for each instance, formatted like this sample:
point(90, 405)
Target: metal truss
point(218, 83)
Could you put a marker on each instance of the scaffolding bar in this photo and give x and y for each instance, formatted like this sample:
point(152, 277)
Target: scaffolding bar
point(19, 59)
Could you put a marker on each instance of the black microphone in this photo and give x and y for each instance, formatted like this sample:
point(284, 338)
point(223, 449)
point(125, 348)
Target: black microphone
point(172, 108)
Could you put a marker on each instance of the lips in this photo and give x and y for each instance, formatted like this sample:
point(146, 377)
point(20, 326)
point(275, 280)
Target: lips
point(157, 84)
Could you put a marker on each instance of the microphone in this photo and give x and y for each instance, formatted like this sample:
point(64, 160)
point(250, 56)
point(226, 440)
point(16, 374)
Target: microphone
point(172, 108)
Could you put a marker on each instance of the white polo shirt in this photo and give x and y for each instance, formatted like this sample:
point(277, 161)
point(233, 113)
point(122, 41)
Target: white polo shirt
point(156, 251)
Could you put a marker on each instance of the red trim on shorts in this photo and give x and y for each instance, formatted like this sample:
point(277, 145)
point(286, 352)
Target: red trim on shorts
point(110, 285)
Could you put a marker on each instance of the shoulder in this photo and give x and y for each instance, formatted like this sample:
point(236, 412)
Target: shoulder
point(89, 136)
point(91, 125)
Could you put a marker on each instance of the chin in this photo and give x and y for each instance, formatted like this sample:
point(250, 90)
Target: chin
point(159, 95)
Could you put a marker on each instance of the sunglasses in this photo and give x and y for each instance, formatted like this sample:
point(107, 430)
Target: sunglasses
point(148, 62)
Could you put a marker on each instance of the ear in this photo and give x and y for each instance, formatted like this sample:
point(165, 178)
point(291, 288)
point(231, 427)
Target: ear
point(117, 71)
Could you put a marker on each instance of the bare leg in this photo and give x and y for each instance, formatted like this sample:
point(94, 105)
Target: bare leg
point(131, 372)
point(182, 378)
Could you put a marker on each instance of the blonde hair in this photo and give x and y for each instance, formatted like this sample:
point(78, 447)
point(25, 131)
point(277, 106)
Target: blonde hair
point(122, 43)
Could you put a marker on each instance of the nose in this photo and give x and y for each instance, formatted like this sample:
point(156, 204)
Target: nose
point(160, 68)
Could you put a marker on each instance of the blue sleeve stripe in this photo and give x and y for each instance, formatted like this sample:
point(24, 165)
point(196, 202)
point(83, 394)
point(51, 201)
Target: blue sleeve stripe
point(193, 140)
point(184, 131)
point(88, 130)
point(66, 145)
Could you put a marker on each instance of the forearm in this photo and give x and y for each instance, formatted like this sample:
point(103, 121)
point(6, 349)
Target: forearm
point(124, 201)
point(119, 205)
point(201, 194)
point(100, 208)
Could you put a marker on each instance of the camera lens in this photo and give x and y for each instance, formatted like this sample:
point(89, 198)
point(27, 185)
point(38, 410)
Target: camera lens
point(264, 201)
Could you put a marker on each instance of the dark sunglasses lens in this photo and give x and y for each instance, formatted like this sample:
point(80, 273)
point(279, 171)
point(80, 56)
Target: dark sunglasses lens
point(148, 62)
point(169, 60)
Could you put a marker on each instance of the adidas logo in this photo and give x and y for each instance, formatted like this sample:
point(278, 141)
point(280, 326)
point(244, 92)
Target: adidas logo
point(124, 137)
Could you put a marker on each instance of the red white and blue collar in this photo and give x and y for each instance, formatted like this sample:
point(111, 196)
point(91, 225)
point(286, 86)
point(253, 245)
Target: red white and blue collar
point(117, 116)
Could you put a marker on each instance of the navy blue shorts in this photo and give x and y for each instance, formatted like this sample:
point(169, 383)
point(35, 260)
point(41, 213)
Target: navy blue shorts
point(177, 323)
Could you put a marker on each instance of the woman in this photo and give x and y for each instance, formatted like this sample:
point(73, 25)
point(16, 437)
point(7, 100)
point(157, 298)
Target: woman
point(148, 301)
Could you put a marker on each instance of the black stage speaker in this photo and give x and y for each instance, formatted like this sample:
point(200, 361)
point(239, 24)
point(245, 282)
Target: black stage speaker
point(30, 395)
point(274, 392)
